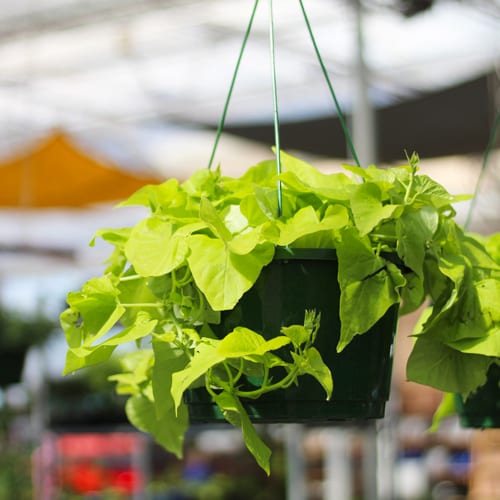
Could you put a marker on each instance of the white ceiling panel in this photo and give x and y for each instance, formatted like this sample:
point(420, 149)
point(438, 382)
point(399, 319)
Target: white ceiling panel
point(104, 65)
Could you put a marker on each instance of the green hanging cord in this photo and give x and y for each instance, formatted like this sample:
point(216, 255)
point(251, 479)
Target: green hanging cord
point(489, 148)
point(231, 87)
point(275, 103)
point(332, 92)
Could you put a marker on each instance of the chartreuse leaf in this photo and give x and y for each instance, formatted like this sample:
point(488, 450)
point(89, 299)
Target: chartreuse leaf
point(492, 245)
point(236, 415)
point(243, 244)
point(142, 327)
point(483, 263)
point(73, 330)
point(136, 371)
point(368, 208)
point(205, 357)
point(260, 206)
point(335, 217)
point(374, 295)
point(98, 307)
point(156, 196)
point(412, 295)
point(414, 231)
point(428, 191)
point(204, 183)
point(234, 220)
point(473, 325)
point(296, 333)
point(272, 344)
point(488, 345)
point(442, 367)
point(233, 229)
point(168, 431)
point(229, 275)
point(385, 177)
point(243, 342)
point(143, 291)
point(262, 174)
point(313, 364)
point(488, 292)
point(302, 177)
point(368, 283)
point(116, 237)
point(306, 221)
point(87, 354)
point(168, 360)
point(470, 312)
point(240, 342)
point(211, 216)
point(138, 362)
point(446, 408)
point(357, 259)
point(154, 248)
point(82, 357)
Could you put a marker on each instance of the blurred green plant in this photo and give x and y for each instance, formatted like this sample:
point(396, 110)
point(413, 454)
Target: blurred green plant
point(87, 397)
point(227, 477)
point(15, 474)
point(20, 331)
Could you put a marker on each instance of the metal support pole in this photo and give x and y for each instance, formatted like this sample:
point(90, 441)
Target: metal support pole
point(369, 463)
point(337, 465)
point(363, 114)
point(296, 482)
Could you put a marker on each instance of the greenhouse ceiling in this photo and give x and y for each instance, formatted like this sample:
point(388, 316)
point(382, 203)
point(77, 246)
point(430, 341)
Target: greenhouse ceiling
point(112, 69)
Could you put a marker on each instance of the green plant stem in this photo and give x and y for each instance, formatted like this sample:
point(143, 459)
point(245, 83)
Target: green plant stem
point(185, 280)
point(208, 379)
point(143, 304)
point(282, 384)
point(330, 87)
point(240, 372)
point(387, 237)
point(231, 379)
point(231, 87)
point(131, 277)
point(275, 106)
point(198, 312)
point(409, 188)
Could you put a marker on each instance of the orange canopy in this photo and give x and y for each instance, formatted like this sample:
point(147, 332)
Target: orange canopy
point(57, 174)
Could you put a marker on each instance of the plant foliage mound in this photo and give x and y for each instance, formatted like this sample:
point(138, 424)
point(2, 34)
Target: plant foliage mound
point(204, 243)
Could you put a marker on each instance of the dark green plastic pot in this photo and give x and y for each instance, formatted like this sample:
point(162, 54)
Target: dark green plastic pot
point(482, 409)
point(290, 284)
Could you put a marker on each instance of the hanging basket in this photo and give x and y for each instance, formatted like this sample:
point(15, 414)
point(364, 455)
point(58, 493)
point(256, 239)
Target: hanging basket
point(482, 409)
point(290, 284)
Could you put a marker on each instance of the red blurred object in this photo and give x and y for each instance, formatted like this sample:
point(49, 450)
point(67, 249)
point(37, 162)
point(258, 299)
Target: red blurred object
point(88, 477)
point(90, 463)
point(84, 477)
point(126, 481)
point(93, 445)
point(94, 462)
